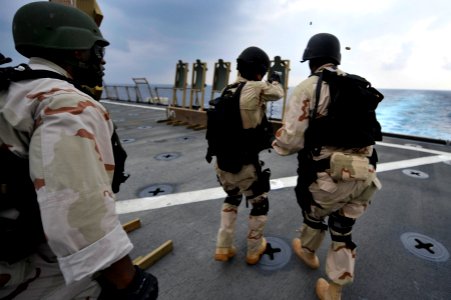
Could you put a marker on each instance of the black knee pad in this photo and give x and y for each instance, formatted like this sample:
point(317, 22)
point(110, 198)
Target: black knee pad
point(340, 224)
point(343, 226)
point(260, 208)
point(233, 200)
point(313, 222)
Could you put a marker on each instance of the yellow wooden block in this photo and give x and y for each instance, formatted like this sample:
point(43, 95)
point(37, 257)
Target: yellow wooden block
point(132, 225)
point(146, 261)
point(137, 259)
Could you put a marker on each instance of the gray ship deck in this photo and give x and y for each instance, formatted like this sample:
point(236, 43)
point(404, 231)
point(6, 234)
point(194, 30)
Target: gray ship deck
point(403, 239)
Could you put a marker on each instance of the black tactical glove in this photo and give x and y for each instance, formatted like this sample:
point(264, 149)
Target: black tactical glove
point(4, 59)
point(275, 76)
point(143, 287)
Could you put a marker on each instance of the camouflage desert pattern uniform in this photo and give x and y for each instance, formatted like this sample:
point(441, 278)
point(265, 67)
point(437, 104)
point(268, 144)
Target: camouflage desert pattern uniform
point(253, 99)
point(333, 190)
point(66, 136)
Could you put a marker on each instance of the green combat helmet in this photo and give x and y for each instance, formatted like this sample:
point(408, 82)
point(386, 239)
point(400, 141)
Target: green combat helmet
point(323, 45)
point(52, 31)
point(44, 26)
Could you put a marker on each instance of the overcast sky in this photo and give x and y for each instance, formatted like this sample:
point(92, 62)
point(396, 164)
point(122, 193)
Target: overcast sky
point(394, 43)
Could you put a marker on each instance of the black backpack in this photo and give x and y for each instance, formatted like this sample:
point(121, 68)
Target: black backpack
point(21, 229)
point(232, 145)
point(351, 121)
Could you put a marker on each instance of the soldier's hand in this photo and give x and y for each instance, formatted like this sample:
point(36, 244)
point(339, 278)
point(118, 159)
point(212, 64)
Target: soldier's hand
point(275, 76)
point(123, 280)
point(144, 286)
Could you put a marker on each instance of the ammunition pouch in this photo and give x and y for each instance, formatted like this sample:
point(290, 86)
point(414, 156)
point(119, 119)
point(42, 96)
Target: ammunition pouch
point(348, 167)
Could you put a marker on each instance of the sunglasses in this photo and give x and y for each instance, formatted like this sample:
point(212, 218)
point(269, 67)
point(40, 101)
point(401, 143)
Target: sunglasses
point(98, 51)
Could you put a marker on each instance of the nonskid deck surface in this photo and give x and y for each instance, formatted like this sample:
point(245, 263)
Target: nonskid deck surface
point(403, 240)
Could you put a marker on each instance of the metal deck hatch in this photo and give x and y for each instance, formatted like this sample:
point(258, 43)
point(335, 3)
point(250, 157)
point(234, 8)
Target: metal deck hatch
point(424, 247)
point(276, 255)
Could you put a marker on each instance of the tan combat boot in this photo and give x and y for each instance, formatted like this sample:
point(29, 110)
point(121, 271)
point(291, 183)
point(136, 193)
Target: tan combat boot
point(256, 243)
point(254, 254)
point(224, 245)
point(328, 291)
point(309, 258)
point(224, 254)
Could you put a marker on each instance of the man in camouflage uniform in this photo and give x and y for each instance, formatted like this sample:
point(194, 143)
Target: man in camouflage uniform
point(335, 196)
point(253, 63)
point(66, 137)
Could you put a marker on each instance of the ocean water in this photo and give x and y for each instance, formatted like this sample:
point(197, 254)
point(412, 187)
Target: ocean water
point(423, 113)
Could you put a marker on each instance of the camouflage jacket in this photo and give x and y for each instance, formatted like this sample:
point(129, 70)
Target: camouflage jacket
point(254, 96)
point(290, 138)
point(66, 135)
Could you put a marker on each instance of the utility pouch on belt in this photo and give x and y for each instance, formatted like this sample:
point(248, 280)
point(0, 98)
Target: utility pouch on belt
point(349, 167)
point(262, 185)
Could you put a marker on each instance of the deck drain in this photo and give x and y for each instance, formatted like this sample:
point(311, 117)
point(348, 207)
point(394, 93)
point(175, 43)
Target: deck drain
point(415, 173)
point(424, 247)
point(167, 156)
point(185, 138)
point(145, 127)
point(156, 190)
point(276, 256)
point(127, 141)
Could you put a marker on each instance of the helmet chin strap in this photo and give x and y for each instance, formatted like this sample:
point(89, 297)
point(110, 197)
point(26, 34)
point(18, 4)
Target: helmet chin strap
point(88, 72)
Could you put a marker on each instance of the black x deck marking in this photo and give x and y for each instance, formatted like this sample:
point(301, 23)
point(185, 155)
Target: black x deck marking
point(270, 251)
point(426, 246)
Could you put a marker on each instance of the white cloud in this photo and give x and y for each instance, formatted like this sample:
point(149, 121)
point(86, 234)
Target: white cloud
point(394, 43)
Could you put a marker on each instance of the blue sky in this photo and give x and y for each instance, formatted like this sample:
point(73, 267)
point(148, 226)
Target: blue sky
point(394, 43)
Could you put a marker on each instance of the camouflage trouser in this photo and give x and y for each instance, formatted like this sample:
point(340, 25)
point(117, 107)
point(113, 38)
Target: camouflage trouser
point(342, 202)
point(39, 277)
point(236, 185)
